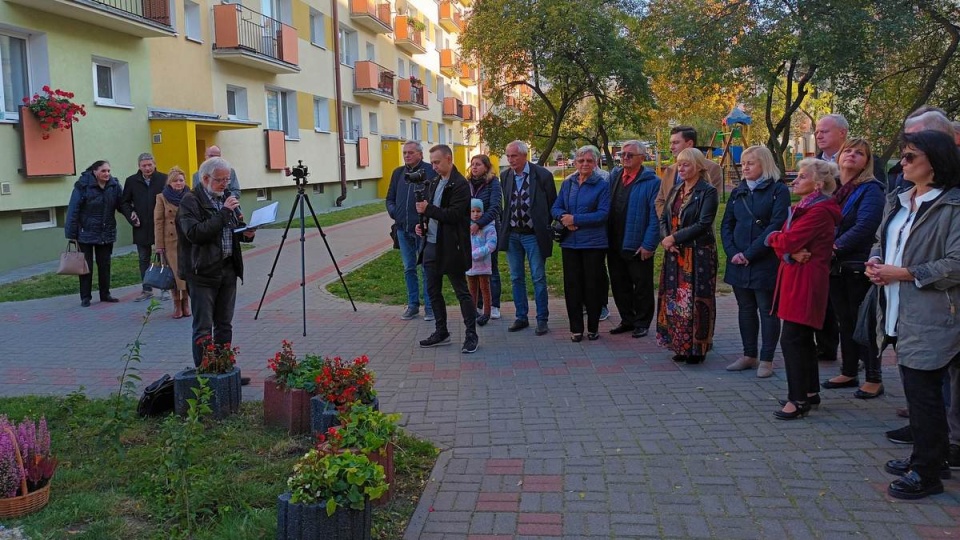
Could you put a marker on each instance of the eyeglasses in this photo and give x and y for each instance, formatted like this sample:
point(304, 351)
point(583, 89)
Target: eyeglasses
point(586, 161)
point(627, 155)
point(220, 180)
point(909, 156)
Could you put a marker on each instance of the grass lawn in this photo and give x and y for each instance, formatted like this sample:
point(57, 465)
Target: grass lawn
point(239, 469)
point(331, 217)
point(381, 281)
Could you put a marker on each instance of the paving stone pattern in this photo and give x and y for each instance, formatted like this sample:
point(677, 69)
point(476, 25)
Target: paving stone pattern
point(541, 437)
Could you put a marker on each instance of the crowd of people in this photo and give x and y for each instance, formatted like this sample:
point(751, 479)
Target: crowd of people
point(855, 260)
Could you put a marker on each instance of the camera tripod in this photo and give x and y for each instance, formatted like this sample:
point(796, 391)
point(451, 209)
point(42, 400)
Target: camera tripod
point(302, 198)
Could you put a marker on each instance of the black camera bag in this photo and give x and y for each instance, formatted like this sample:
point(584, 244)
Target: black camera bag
point(157, 398)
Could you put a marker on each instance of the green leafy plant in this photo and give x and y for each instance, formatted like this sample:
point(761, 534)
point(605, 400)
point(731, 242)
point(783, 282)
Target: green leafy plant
point(344, 480)
point(361, 427)
point(416, 24)
point(292, 373)
point(179, 467)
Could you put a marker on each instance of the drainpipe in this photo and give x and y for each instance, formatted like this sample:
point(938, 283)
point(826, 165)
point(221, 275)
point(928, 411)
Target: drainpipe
point(339, 99)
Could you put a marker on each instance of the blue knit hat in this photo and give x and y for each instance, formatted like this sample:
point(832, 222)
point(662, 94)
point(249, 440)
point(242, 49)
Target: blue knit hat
point(476, 203)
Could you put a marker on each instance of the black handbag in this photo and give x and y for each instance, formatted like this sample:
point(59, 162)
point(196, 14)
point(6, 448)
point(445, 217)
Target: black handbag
point(394, 237)
point(157, 398)
point(160, 275)
point(559, 231)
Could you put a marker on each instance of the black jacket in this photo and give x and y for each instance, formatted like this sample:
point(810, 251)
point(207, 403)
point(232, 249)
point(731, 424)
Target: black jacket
point(200, 253)
point(749, 218)
point(91, 215)
point(543, 192)
point(140, 198)
point(400, 196)
point(696, 218)
point(453, 219)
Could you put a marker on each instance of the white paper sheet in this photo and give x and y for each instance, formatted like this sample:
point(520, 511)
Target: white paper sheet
point(261, 216)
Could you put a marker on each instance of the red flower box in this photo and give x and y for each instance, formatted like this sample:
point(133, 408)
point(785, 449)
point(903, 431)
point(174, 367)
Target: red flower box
point(287, 409)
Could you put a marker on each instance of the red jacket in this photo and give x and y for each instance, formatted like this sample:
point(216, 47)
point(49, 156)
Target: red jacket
point(802, 289)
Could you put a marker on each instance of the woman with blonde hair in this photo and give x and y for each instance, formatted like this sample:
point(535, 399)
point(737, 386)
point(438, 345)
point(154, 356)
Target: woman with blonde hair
point(165, 235)
point(687, 304)
point(804, 247)
point(756, 208)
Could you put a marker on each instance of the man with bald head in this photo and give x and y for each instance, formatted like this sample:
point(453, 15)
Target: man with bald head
point(214, 152)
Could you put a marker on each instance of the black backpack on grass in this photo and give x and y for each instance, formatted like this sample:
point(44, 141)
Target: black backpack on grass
point(157, 398)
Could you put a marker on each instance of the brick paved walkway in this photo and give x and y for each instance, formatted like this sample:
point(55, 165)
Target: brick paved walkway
point(542, 438)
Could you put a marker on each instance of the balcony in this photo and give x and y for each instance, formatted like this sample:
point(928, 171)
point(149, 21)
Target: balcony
point(411, 95)
point(470, 114)
point(405, 37)
point(248, 38)
point(371, 80)
point(450, 17)
point(142, 18)
point(466, 3)
point(469, 75)
point(372, 15)
point(449, 63)
point(511, 102)
point(452, 109)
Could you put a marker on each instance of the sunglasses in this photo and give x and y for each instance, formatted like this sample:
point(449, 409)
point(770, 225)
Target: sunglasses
point(908, 156)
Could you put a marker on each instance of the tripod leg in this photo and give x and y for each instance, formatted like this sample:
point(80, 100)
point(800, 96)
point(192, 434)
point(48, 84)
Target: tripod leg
point(277, 258)
point(330, 251)
point(301, 195)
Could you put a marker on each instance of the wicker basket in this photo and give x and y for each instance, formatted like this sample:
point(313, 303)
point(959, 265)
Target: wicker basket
point(15, 507)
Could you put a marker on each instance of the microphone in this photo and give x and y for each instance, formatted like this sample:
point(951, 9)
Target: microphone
point(237, 213)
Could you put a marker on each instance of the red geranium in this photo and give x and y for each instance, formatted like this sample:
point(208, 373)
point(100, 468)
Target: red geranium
point(342, 382)
point(54, 110)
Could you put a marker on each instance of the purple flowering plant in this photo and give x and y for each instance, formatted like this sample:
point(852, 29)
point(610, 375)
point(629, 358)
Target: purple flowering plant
point(39, 464)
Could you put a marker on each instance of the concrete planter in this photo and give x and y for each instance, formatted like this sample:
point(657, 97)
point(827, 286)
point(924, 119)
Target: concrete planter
point(224, 400)
point(310, 521)
point(287, 408)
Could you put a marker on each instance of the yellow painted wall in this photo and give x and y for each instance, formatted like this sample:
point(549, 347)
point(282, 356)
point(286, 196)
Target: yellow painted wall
point(460, 158)
point(177, 147)
point(181, 69)
point(392, 157)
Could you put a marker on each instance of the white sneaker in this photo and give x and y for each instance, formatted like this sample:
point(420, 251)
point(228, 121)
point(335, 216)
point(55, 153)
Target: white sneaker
point(494, 313)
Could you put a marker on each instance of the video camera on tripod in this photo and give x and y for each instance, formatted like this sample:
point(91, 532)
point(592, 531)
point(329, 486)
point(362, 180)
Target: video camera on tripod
point(419, 179)
point(299, 173)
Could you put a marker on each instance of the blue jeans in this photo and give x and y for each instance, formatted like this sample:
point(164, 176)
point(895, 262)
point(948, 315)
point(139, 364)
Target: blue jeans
point(409, 248)
point(754, 316)
point(518, 246)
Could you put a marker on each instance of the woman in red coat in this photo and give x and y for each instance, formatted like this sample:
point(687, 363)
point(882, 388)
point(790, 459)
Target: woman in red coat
point(804, 246)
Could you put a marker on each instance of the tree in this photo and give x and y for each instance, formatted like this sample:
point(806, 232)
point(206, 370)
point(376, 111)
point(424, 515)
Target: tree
point(549, 57)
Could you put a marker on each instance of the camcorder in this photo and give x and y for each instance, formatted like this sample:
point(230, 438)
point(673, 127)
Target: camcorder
point(419, 179)
point(299, 173)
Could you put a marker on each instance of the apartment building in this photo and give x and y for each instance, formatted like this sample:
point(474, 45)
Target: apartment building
point(257, 78)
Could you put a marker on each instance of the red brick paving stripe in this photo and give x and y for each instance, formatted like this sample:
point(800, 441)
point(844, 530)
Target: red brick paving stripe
point(554, 371)
point(473, 366)
point(504, 466)
point(490, 537)
point(932, 531)
point(420, 367)
point(578, 363)
point(630, 361)
point(539, 483)
point(607, 370)
point(525, 364)
point(497, 496)
point(498, 506)
point(446, 374)
point(534, 517)
point(539, 529)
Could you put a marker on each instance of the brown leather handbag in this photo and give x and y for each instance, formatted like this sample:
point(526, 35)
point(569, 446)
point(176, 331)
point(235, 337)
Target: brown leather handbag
point(72, 261)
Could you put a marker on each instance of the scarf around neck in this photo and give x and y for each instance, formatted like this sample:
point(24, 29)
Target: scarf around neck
point(173, 196)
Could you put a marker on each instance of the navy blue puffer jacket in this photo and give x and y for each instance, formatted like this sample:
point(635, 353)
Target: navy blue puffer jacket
point(92, 214)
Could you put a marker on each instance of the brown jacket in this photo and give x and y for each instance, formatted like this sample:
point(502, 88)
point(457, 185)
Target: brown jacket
point(165, 234)
point(714, 174)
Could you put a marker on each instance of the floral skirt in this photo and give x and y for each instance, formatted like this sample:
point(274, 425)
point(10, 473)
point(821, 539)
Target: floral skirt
point(687, 301)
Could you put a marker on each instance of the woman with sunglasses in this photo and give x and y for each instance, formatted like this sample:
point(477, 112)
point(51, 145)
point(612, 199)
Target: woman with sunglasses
point(860, 197)
point(917, 262)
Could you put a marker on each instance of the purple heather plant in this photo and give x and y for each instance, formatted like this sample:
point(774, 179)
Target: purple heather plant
point(10, 474)
point(34, 444)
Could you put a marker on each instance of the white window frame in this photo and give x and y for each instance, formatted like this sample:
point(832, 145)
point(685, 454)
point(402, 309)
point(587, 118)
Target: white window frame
point(119, 83)
point(415, 131)
point(263, 194)
point(440, 89)
point(50, 223)
point(287, 111)
point(429, 131)
point(373, 123)
point(241, 112)
point(14, 114)
point(321, 114)
point(441, 135)
point(371, 52)
point(318, 29)
point(352, 123)
point(349, 45)
point(192, 28)
point(403, 128)
point(401, 68)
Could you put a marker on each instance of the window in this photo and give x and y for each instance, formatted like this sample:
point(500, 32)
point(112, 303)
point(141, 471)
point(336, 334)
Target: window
point(349, 46)
point(111, 82)
point(43, 218)
point(373, 123)
point(321, 114)
point(318, 189)
point(191, 16)
point(351, 123)
point(440, 88)
point(371, 52)
point(282, 111)
point(449, 134)
point(318, 30)
point(442, 135)
point(429, 131)
point(237, 103)
point(263, 194)
point(403, 129)
point(357, 184)
point(401, 68)
point(14, 82)
point(415, 130)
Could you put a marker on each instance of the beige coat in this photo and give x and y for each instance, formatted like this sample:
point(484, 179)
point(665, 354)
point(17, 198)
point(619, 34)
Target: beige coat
point(714, 174)
point(165, 233)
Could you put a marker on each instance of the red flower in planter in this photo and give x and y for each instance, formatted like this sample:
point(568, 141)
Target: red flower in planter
point(217, 359)
point(54, 110)
point(342, 382)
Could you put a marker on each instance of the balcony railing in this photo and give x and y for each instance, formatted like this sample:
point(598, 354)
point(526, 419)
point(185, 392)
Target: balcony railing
point(405, 37)
point(373, 80)
point(247, 37)
point(373, 15)
point(469, 113)
point(411, 95)
point(449, 18)
point(143, 18)
point(469, 75)
point(452, 109)
point(449, 63)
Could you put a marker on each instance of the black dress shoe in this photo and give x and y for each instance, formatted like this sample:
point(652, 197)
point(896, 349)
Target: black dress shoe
point(813, 400)
point(576, 338)
point(111, 299)
point(696, 359)
point(911, 487)
point(860, 394)
point(244, 381)
point(85, 302)
point(622, 329)
point(854, 382)
point(593, 336)
point(641, 332)
point(518, 324)
point(902, 435)
point(679, 358)
point(900, 467)
point(801, 410)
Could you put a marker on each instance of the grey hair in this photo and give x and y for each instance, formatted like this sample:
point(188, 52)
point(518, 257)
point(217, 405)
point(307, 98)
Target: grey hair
point(929, 120)
point(824, 172)
point(641, 148)
point(839, 120)
point(588, 148)
point(145, 156)
point(416, 144)
point(521, 147)
point(213, 164)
